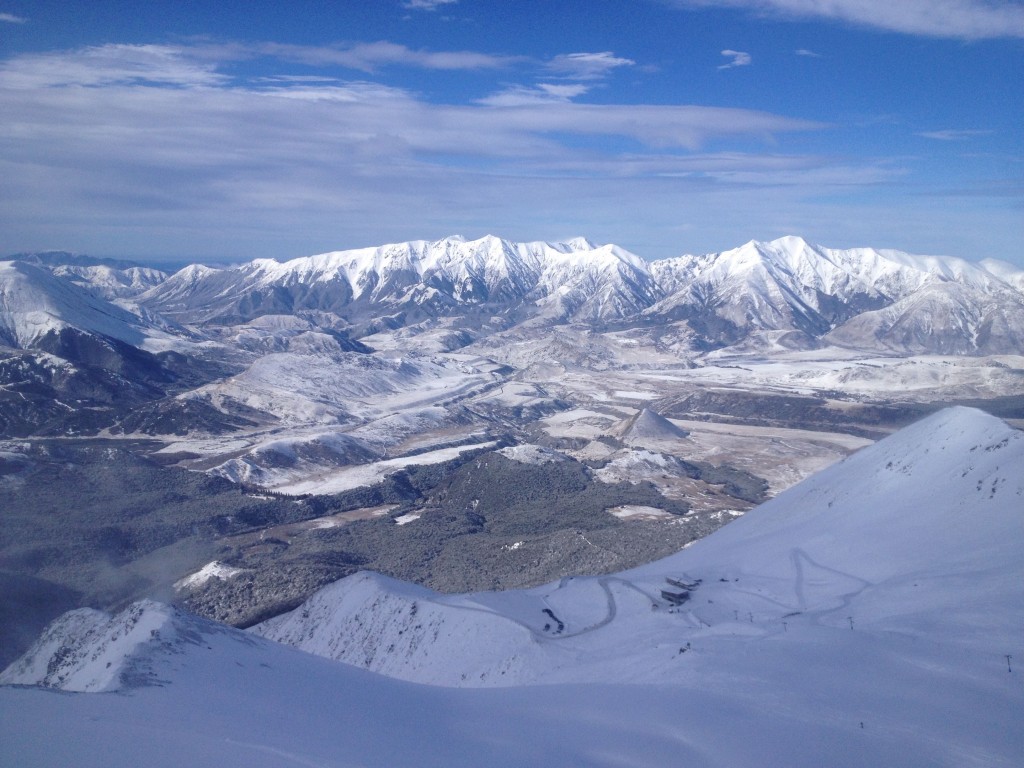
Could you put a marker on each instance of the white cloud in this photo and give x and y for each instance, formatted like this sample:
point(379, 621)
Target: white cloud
point(127, 94)
point(581, 69)
point(542, 93)
point(368, 57)
point(121, 148)
point(951, 134)
point(426, 5)
point(127, 146)
point(587, 66)
point(10, 18)
point(296, 79)
point(961, 19)
point(109, 65)
point(196, 65)
point(807, 52)
point(352, 92)
point(739, 59)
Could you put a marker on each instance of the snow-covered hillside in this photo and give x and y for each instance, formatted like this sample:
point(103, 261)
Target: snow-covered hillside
point(33, 303)
point(111, 283)
point(874, 538)
point(277, 328)
point(869, 616)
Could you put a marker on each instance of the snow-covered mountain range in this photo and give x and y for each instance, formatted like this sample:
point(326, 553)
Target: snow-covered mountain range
point(869, 615)
point(784, 292)
point(903, 303)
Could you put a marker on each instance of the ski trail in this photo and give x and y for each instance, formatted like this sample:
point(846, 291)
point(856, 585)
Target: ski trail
point(798, 557)
point(798, 584)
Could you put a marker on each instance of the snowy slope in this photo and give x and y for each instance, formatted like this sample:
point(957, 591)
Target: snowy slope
point(761, 286)
point(220, 698)
point(317, 385)
point(33, 302)
point(88, 650)
point(938, 505)
point(1006, 272)
point(941, 317)
point(394, 628)
point(109, 282)
point(318, 382)
point(862, 618)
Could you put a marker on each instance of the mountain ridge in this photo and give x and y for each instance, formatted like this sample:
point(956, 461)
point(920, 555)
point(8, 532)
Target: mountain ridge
point(788, 285)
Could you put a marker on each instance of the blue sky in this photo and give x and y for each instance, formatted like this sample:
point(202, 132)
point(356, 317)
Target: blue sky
point(222, 131)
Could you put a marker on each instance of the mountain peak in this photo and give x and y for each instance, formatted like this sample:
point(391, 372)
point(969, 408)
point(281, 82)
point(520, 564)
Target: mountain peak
point(34, 302)
point(648, 424)
point(790, 242)
point(580, 244)
point(89, 650)
point(924, 486)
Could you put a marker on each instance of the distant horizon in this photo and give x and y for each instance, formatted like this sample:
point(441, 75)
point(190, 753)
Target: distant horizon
point(234, 131)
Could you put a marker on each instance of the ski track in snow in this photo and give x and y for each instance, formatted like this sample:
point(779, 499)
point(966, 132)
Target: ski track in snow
point(798, 557)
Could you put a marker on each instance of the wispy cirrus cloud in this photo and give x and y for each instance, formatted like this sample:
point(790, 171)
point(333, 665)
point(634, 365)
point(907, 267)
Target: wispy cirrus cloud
point(953, 134)
point(41, 87)
point(807, 52)
point(10, 18)
point(739, 59)
point(541, 93)
point(587, 66)
point(201, 63)
point(278, 79)
point(741, 168)
point(577, 74)
point(958, 19)
point(365, 57)
point(110, 65)
point(426, 5)
point(116, 143)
